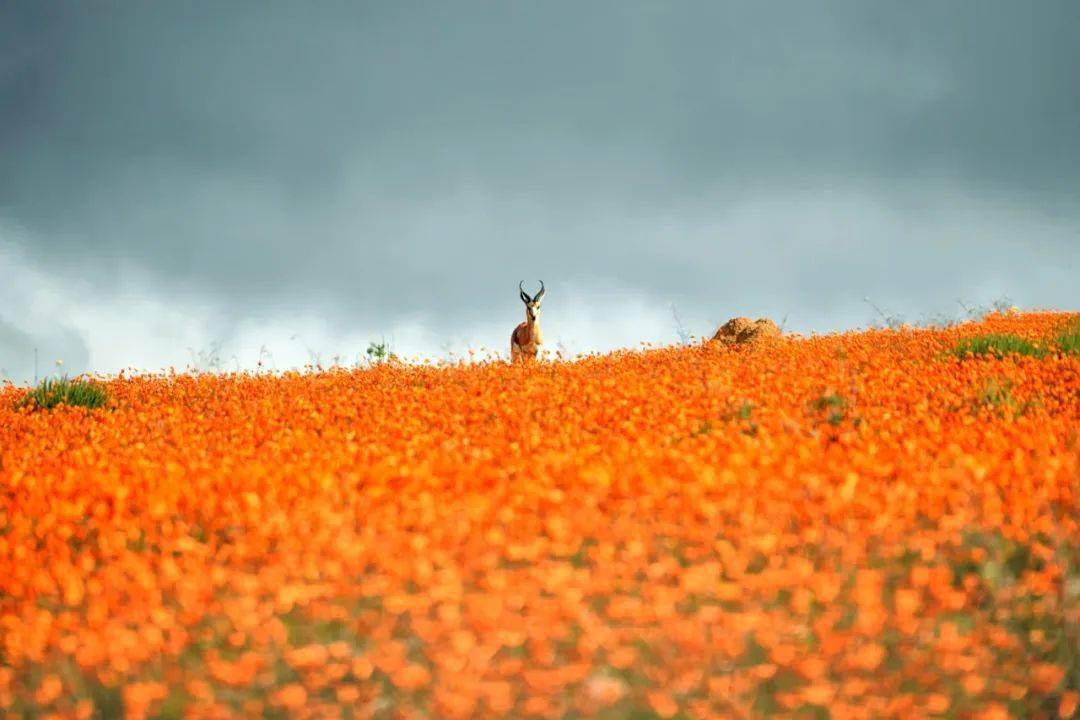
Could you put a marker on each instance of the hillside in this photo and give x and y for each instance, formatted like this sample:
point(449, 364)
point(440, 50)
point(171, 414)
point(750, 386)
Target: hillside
point(862, 522)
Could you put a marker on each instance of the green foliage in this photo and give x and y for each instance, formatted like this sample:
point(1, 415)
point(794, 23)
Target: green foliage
point(998, 345)
point(995, 394)
point(1068, 341)
point(744, 411)
point(743, 414)
point(703, 429)
point(62, 391)
point(833, 405)
point(1000, 567)
point(108, 701)
point(835, 409)
point(378, 352)
point(830, 401)
point(998, 396)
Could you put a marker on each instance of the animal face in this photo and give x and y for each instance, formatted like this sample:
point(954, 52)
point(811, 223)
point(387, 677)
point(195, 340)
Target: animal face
point(532, 304)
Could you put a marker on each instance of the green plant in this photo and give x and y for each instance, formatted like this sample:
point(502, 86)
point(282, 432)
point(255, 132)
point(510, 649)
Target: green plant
point(829, 400)
point(63, 391)
point(995, 394)
point(835, 406)
point(997, 346)
point(1068, 341)
point(743, 414)
point(378, 352)
point(998, 395)
point(744, 411)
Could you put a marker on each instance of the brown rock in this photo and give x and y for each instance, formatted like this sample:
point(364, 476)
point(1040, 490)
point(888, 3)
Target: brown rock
point(740, 331)
point(732, 328)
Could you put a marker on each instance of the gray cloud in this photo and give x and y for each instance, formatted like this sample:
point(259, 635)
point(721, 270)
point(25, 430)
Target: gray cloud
point(50, 344)
point(375, 163)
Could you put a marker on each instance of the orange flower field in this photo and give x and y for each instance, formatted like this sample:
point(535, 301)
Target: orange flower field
point(855, 525)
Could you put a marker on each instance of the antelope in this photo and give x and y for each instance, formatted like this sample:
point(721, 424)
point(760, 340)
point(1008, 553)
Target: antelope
point(527, 338)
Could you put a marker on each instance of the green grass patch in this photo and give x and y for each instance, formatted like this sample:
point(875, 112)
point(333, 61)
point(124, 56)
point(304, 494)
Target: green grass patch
point(998, 396)
point(829, 401)
point(1068, 342)
point(743, 415)
point(834, 407)
point(52, 392)
point(997, 346)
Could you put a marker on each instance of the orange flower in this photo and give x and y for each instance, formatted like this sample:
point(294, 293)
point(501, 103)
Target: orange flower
point(993, 711)
point(818, 694)
point(309, 656)
point(411, 677)
point(1045, 677)
point(1070, 699)
point(907, 602)
point(347, 694)
point(291, 696)
point(622, 657)
point(362, 668)
point(937, 703)
point(499, 696)
point(764, 671)
point(974, 683)
point(716, 523)
point(49, 690)
point(869, 657)
point(662, 703)
point(783, 654)
point(605, 690)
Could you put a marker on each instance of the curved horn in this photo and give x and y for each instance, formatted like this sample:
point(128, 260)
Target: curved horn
point(524, 295)
point(540, 294)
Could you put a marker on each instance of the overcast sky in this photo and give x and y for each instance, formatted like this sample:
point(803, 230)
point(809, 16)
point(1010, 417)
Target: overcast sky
point(295, 178)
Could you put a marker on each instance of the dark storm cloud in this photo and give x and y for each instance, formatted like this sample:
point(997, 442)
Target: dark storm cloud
point(384, 160)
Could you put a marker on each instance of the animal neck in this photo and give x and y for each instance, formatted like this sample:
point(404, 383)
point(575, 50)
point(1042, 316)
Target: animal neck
point(532, 324)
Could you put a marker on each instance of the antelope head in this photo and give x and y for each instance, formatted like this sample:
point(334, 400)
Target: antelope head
point(532, 304)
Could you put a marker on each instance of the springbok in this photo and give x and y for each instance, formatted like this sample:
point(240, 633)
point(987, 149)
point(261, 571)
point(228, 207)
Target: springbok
point(527, 337)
